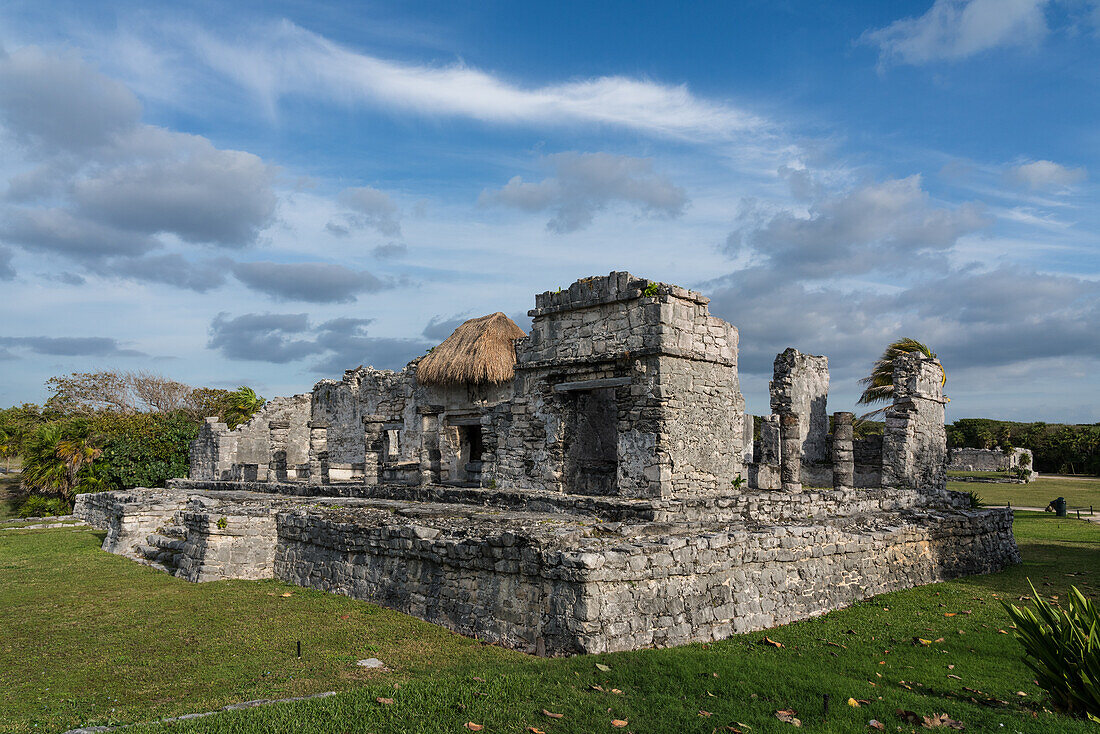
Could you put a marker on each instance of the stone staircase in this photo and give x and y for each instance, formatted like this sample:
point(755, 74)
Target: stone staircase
point(162, 548)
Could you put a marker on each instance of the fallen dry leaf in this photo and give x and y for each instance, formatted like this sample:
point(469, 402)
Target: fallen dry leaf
point(474, 727)
point(949, 614)
point(345, 616)
point(551, 714)
point(704, 713)
point(601, 666)
point(619, 723)
point(876, 725)
point(788, 716)
point(920, 641)
point(773, 643)
point(386, 701)
point(286, 593)
point(616, 690)
point(853, 703)
point(479, 680)
point(952, 675)
point(533, 730)
point(937, 720)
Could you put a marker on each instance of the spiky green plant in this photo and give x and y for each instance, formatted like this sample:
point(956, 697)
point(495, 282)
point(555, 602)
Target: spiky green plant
point(1062, 648)
point(242, 405)
point(879, 385)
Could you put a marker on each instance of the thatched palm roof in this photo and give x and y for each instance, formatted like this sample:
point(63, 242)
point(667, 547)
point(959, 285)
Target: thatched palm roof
point(480, 351)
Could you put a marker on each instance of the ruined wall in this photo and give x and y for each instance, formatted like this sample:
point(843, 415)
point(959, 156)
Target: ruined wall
point(868, 461)
point(672, 368)
point(559, 588)
point(800, 385)
point(914, 442)
point(212, 451)
point(988, 459)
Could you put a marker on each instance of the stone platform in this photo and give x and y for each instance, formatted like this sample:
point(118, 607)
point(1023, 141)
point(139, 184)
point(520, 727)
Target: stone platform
point(558, 574)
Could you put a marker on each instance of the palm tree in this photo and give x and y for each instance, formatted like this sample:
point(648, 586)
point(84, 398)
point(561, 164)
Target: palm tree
point(242, 405)
point(54, 456)
point(879, 385)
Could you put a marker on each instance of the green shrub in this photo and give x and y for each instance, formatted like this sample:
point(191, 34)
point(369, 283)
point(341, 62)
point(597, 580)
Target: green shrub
point(976, 500)
point(1062, 647)
point(142, 449)
point(38, 506)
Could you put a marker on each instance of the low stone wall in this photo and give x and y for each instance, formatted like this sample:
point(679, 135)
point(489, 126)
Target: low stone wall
point(128, 516)
point(228, 542)
point(551, 574)
point(990, 460)
point(564, 588)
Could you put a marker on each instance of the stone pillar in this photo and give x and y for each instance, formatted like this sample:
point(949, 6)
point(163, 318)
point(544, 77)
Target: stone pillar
point(747, 440)
point(372, 454)
point(790, 453)
point(318, 452)
point(767, 459)
point(430, 456)
point(844, 465)
point(278, 437)
point(914, 442)
point(800, 385)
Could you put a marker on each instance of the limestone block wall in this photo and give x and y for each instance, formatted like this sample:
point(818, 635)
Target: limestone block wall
point(963, 459)
point(676, 590)
point(914, 442)
point(228, 542)
point(800, 385)
point(868, 461)
point(669, 370)
point(570, 590)
point(128, 516)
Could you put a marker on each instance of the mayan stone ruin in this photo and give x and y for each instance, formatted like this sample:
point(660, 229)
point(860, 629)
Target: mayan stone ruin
point(592, 486)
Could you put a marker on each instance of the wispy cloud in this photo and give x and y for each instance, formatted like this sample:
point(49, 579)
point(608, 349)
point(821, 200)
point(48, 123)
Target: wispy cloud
point(289, 60)
point(957, 29)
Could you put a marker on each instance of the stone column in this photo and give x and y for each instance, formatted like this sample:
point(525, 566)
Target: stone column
point(790, 453)
point(914, 442)
point(747, 439)
point(800, 385)
point(318, 452)
point(372, 454)
point(767, 460)
point(844, 464)
point(278, 437)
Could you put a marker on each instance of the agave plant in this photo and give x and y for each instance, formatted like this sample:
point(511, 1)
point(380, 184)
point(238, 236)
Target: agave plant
point(879, 385)
point(1062, 648)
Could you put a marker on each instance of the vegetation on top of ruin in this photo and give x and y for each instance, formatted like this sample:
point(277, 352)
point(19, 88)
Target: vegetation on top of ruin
point(73, 655)
point(880, 383)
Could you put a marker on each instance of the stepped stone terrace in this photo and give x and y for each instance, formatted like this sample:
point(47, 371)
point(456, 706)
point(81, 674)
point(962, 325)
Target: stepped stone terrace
point(592, 486)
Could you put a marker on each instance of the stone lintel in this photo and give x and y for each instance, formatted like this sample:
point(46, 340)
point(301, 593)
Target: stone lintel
point(597, 384)
point(275, 425)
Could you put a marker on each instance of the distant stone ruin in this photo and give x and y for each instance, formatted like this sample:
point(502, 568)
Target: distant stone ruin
point(593, 486)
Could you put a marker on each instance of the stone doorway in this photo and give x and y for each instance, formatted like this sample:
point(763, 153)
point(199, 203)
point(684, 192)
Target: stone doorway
point(470, 448)
point(592, 442)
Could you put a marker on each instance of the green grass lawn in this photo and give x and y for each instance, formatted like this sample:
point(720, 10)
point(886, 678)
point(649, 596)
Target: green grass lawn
point(91, 638)
point(1078, 492)
point(981, 474)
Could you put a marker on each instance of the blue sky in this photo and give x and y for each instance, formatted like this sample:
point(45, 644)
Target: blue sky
point(269, 193)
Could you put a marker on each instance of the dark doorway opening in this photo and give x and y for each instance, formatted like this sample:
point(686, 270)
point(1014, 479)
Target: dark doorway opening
point(592, 443)
point(469, 457)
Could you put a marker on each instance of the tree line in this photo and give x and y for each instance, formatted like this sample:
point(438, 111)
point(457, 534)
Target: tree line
point(108, 430)
point(1057, 448)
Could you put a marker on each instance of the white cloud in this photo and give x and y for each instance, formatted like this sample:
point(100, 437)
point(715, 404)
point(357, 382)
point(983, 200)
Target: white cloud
point(99, 186)
point(370, 208)
point(956, 29)
point(586, 183)
point(1045, 175)
point(888, 226)
point(286, 59)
